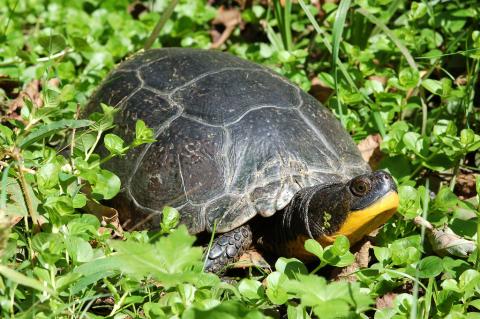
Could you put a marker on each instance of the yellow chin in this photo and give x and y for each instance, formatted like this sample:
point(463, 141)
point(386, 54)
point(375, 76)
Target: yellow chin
point(362, 222)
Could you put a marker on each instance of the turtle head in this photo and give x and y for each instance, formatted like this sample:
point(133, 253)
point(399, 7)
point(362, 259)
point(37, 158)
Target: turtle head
point(353, 209)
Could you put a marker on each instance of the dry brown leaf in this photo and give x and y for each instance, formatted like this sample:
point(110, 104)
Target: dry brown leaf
point(15, 220)
point(381, 79)
point(465, 185)
point(8, 84)
point(32, 93)
point(136, 8)
point(362, 258)
point(229, 18)
point(251, 258)
point(444, 241)
point(320, 90)
point(370, 150)
point(461, 80)
point(386, 301)
point(108, 217)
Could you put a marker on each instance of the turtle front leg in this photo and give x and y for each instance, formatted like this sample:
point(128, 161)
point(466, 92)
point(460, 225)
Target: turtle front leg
point(227, 248)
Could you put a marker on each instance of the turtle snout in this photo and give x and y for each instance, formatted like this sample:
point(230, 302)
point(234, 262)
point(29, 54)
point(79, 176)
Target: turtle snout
point(385, 181)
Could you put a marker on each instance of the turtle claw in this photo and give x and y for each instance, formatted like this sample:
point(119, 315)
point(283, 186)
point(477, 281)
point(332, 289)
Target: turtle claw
point(227, 249)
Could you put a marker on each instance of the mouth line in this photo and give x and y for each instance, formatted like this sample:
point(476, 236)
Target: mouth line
point(362, 222)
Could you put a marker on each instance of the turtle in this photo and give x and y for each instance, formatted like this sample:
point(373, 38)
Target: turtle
point(240, 152)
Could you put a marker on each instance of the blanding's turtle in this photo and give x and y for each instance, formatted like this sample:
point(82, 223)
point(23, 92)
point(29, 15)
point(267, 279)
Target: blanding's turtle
point(241, 150)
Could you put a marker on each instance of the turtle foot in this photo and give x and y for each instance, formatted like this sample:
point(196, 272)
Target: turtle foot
point(227, 249)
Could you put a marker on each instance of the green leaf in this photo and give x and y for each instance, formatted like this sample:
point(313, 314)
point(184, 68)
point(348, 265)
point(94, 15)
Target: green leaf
point(103, 121)
point(52, 43)
point(114, 144)
point(80, 44)
point(475, 303)
point(434, 86)
point(47, 176)
point(414, 142)
point(6, 135)
point(47, 130)
point(332, 258)
point(107, 184)
point(417, 10)
point(341, 245)
point(430, 266)
point(251, 290)
point(48, 242)
point(169, 260)
point(230, 309)
point(314, 247)
point(381, 253)
point(445, 200)
point(83, 225)
point(79, 201)
point(291, 267)
point(297, 312)
point(275, 291)
point(79, 249)
point(170, 218)
point(327, 79)
point(85, 141)
point(467, 136)
point(408, 78)
point(409, 202)
point(143, 134)
point(332, 309)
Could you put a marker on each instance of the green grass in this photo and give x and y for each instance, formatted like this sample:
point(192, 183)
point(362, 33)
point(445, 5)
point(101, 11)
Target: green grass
point(406, 70)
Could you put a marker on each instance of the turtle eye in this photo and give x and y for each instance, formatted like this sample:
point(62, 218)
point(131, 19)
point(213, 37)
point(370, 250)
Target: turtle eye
point(360, 186)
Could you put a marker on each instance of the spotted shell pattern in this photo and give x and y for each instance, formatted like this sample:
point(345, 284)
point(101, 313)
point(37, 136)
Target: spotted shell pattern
point(233, 139)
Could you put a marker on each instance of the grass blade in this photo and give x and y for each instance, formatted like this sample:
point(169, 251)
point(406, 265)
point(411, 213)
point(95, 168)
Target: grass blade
point(327, 44)
point(49, 129)
point(160, 24)
point(287, 24)
point(393, 37)
point(343, 69)
point(23, 280)
point(3, 198)
point(274, 39)
point(4, 222)
point(337, 32)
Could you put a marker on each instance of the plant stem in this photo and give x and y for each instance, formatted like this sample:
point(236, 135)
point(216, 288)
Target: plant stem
point(426, 198)
point(424, 117)
point(16, 155)
point(56, 55)
point(97, 140)
point(454, 177)
point(210, 243)
point(4, 223)
point(26, 192)
point(160, 24)
point(287, 24)
point(477, 261)
point(320, 266)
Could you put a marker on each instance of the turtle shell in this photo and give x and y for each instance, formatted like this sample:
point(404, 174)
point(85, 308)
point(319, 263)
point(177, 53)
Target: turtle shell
point(233, 139)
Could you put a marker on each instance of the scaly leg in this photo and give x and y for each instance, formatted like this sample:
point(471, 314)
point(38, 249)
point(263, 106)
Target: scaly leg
point(227, 248)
